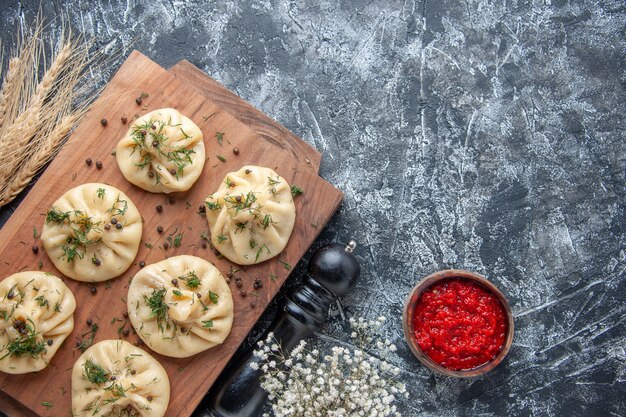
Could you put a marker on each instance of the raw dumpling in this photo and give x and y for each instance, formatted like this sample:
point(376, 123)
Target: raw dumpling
point(251, 215)
point(92, 233)
point(36, 315)
point(115, 378)
point(162, 152)
point(180, 306)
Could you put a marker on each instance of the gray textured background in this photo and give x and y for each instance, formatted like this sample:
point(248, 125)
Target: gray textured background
point(484, 135)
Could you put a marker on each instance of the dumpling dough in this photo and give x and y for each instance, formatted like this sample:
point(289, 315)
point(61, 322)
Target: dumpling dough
point(162, 152)
point(92, 233)
point(36, 315)
point(180, 306)
point(251, 215)
point(115, 378)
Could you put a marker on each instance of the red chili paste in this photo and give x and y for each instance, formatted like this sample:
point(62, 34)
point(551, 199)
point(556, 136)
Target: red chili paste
point(459, 324)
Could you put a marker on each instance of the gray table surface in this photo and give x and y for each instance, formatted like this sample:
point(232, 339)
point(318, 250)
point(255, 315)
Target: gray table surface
point(483, 135)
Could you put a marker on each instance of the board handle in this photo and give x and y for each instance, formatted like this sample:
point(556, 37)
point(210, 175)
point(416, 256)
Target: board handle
point(332, 271)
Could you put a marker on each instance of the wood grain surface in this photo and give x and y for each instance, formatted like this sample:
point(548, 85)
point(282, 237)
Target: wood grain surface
point(261, 124)
point(190, 378)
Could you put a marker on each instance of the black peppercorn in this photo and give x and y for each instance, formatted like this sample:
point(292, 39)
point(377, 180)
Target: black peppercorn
point(88, 161)
point(166, 245)
point(125, 314)
point(183, 329)
point(50, 341)
point(243, 293)
point(159, 209)
point(137, 342)
point(155, 143)
point(124, 120)
point(199, 295)
point(107, 227)
point(153, 127)
point(248, 171)
point(238, 199)
point(89, 322)
point(78, 343)
point(171, 200)
point(151, 174)
point(93, 290)
point(113, 221)
point(132, 372)
point(142, 264)
point(159, 229)
point(113, 377)
point(143, 133)
point(10, 295)
point(35, 249)
point(204, 244)
point(239, 284)
point(172, 171)
point(202, 209)
point(97, 262)
point(125, 332)
point(118, 226)
point(138, 100)
point(236, 151)
point(103, 122)
point(257, 285)
point(175, 282)
point(253, 304)
point(149, 398)
point(98, 164)
point(227, 280)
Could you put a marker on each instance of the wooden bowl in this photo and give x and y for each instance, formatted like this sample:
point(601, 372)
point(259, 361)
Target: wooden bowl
point(407, 322)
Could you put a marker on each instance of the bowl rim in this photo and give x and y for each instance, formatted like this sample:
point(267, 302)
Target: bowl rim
point(409, 308)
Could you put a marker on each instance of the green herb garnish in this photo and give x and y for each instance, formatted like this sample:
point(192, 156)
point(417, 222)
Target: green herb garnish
point(27, 344)
point(94, 372)
point(42, 302)
point(296, 191)
point(267, 220)
point(86, 344)
point(213, 206)
point(207, 323)
point(260, 251)
point(191, 280)
point(159, 308)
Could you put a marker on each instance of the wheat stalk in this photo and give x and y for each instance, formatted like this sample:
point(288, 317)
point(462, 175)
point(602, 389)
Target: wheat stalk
point(23, 131)
point(20, 79)
point(40, 157)
point(36, 117)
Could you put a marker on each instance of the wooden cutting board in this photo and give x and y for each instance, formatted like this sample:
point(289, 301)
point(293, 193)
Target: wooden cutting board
point(192, 377)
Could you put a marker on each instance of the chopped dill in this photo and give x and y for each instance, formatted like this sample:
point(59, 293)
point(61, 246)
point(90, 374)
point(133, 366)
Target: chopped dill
point(94, 372)
point(296, 191)
point(27, 344)
point(159, 308)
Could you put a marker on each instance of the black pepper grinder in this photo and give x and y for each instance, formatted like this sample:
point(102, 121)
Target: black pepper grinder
point(332, 271)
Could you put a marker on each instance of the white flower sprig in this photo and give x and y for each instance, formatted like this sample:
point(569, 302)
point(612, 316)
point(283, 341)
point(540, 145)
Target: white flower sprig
point(357, 382)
